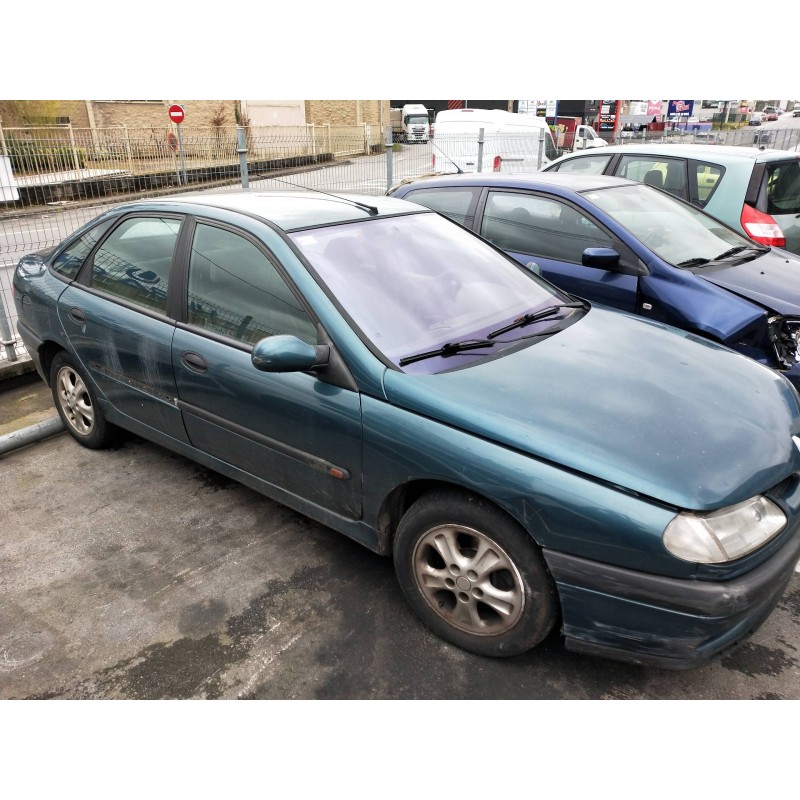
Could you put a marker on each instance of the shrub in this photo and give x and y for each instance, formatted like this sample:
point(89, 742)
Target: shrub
point(35, 157)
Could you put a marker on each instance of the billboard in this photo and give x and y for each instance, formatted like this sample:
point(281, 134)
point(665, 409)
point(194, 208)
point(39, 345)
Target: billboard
point(680, 108)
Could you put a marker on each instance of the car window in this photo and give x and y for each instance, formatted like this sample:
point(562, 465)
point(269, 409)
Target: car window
point(411, 283)
point(681, 234)
point(783, 188)
point(663, 173)
point(134, 262)
point(706, 178)
point(525, 223)
point(454, 203)
point(236, 291)
point(586, 165)
point(69, 261)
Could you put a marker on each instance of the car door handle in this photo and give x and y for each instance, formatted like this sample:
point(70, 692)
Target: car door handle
point(194, 362)
point(77, 315)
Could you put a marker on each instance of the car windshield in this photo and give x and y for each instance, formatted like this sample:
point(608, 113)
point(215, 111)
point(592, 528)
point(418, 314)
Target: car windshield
point(679, 233)
point(416, 283)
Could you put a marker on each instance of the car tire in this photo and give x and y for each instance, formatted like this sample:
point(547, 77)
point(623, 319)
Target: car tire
point(492, 593)
point(76, 403)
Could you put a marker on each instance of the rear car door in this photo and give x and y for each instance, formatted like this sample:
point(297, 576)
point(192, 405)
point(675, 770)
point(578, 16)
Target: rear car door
point(119, 322)
point(554, 233)
point(293, 430)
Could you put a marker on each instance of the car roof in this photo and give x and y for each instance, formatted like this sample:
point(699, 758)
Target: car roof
point(530, 180)
point(710, 152)
point(291, 210)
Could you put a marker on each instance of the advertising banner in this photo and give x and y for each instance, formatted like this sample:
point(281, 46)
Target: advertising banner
point(655, 108)
point(680, 108)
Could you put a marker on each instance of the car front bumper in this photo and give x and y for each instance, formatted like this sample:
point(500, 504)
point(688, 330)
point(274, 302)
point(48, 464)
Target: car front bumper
point(665, 622)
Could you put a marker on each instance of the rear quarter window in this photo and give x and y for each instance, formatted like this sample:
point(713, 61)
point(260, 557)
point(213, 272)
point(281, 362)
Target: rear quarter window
point(587, 165)
point(783, 188)
point(458, 204)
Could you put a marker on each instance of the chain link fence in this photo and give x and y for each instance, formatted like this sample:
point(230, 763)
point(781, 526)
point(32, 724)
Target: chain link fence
point(54, 179)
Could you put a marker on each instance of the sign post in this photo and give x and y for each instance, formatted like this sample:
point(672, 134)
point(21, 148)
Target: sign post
point(177, 114)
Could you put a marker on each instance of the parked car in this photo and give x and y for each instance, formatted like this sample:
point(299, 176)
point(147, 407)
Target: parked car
point(771, 113)
point(756, 118)
point(756, 192)
point(636, 249)
point(532, 462)
point(796, 111)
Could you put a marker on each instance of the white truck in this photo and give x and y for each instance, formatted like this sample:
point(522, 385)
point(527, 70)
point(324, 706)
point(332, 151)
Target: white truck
point(511, 142)
point(410, 123)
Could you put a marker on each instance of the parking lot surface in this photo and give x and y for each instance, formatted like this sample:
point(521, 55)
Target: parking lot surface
point(134, 573)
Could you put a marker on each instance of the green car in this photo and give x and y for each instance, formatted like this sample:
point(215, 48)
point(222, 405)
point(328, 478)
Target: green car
point(756, 192)
point(532, 463)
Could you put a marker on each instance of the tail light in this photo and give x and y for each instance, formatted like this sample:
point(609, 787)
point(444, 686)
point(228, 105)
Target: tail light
point(431, 134)
point(762, 227)
point(498, 162)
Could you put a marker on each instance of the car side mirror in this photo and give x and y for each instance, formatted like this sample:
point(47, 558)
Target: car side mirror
point(600, 258)
point(533, 267)
point(285, 353)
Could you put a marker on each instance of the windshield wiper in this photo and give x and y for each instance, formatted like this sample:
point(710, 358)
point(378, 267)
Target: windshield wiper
point(448, 349)
point(694, 262)
point(526, 319)
point(733, 251)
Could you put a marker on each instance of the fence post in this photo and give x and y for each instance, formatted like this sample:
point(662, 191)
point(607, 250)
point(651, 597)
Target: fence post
point(5, 332)
point(128, 149)
point(366, 138)
point(389, 154)
point(480, 150)
point(540, 156)
point(241, 149)
point(3, 148)
point(75, 160)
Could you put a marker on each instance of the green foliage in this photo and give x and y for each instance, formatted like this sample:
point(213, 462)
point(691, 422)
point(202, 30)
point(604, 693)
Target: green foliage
point(35, 157)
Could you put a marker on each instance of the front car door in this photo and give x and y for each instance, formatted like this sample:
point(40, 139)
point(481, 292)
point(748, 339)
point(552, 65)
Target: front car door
point(554, 233)
point(292, 430)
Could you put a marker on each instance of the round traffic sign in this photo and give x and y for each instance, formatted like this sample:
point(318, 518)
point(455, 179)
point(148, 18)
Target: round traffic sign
point(176, 114)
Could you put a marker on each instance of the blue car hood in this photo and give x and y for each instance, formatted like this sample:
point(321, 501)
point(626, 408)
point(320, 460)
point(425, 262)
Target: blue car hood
point(772, 281)
point(628, 402)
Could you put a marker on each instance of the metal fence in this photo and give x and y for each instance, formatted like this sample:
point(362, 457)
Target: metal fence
point(53, 180)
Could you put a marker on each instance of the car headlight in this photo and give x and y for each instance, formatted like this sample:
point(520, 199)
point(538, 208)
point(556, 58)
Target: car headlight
point(785, 335)
point(724, 535)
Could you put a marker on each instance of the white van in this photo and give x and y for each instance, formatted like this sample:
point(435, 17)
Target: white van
point(512, 142)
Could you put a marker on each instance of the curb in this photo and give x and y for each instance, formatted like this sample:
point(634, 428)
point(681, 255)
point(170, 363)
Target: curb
point(31, 434)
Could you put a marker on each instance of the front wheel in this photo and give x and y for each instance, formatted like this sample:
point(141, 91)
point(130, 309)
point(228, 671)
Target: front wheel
point(77, 404)
point(473, 575)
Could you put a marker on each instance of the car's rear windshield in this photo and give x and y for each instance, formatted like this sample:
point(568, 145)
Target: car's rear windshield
point(783, 188)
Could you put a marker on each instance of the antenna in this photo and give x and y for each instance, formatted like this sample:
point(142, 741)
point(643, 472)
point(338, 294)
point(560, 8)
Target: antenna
point(460, 171)
point(363, 206)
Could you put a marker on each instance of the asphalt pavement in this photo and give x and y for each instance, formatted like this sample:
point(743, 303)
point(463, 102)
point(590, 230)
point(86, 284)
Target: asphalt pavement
point(135, 573)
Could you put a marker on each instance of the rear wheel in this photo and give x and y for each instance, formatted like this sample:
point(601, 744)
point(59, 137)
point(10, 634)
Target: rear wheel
point(473, 575)
point(77, 404)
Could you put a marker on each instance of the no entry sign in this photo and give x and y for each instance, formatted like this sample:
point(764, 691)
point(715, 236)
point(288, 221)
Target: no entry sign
point(176, 114)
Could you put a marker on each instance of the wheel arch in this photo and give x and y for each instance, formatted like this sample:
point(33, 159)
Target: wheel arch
point(47, 352)
point(402, 497)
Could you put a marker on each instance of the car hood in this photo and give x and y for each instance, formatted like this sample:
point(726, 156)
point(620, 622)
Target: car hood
point(629, 402)
point(772, 280)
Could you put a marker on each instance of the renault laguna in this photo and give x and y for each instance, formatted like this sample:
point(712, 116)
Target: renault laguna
point(534, 464)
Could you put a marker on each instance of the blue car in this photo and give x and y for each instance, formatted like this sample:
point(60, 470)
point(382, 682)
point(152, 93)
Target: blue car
point(532, 463)
point(635, 248)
